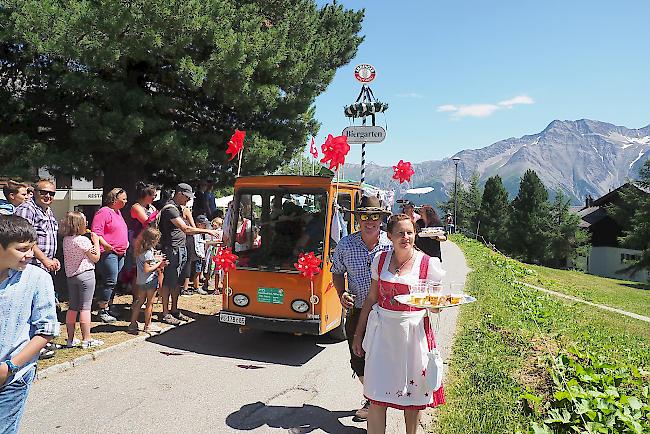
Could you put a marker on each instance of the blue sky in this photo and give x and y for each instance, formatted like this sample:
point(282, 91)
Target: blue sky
point(465, 74)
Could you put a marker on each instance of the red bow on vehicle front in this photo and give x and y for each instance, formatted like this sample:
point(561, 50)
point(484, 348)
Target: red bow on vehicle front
point(236, 144)
point(403, 171)
point(308, 265)
point(334, 150)
point(225, 260)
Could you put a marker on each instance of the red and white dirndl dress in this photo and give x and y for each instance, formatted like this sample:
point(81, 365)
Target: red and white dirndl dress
point(397, 340)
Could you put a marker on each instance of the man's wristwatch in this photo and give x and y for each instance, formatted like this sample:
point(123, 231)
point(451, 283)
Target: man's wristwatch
point(13, 368)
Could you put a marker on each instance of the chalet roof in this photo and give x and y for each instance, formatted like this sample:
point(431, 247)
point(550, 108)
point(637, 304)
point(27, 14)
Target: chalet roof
point(591, 215)
point(612, 195)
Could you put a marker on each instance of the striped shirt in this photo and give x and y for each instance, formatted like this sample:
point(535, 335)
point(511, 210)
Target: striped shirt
point(352, 257)
point(46, 228)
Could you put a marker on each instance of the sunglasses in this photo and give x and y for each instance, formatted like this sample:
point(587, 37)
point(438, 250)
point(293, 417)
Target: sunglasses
point(373, 217)
point(47, 193)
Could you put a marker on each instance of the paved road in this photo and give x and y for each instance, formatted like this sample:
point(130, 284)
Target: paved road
point(206, 378)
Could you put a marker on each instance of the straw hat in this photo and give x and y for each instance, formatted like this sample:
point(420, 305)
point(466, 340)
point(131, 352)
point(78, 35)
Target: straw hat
point(369, 205)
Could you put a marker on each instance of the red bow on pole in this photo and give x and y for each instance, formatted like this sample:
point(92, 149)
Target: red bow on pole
point(225, 259)
point(308, 265)
point(403, 171)
point(334, 150)
point(312, 149)
point(236, 144)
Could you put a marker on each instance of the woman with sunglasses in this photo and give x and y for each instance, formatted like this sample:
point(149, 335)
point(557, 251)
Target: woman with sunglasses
point(395, 338)
point(109, 224)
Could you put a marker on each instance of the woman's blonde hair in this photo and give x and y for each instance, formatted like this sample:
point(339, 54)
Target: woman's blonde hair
point(217, 222)
point(395, 218)
point(74, 223)
point(147, 240)
point(112, 195)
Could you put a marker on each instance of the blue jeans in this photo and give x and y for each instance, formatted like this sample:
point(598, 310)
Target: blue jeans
point(12, 402)
point(108, 268)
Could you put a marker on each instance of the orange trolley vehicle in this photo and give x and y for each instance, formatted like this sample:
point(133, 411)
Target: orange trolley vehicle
point(273, 220)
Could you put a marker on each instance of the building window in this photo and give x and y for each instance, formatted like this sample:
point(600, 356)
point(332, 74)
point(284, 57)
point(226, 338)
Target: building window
point(628, 258)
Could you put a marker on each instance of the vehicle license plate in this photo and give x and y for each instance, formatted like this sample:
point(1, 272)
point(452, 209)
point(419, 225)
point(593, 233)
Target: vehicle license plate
point(232, 319)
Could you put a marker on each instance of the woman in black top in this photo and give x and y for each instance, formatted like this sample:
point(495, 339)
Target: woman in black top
point(429, 219)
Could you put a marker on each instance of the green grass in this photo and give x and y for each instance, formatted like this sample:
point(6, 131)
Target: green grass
point(499, 352)
point(622, 294)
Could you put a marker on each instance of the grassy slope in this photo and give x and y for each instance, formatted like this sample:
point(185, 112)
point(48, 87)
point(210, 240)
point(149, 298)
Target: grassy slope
point(623, 294)
point(499, 352)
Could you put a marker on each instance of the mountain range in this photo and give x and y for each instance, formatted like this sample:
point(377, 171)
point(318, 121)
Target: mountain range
point(581, 158)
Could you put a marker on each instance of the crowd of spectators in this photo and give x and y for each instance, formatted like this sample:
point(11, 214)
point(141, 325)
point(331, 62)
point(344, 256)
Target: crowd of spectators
point(145, 251)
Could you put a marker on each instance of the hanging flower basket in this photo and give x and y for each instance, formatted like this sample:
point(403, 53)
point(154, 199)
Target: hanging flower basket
point(363, 109)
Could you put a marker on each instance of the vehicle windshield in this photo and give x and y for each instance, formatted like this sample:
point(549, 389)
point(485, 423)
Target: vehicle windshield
point(275, 226)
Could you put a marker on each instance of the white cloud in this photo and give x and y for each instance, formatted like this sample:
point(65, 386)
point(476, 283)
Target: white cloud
point(410, 95)
point(483, 110)
point(447, 108)
point(476, 110)
point(519, 99)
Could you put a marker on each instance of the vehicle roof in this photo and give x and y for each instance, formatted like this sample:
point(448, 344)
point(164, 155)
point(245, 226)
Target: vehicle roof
point(291, 181)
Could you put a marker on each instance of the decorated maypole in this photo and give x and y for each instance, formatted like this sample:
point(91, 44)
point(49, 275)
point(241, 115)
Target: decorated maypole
point(365, 105)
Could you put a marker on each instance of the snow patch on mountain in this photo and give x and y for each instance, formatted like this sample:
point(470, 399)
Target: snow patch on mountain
point(625, 141)
point(637, 158)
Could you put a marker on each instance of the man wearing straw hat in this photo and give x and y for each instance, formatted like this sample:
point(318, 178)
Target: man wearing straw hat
point(351, 260)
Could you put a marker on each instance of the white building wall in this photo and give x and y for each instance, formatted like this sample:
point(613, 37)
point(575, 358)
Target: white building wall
point(606, 261)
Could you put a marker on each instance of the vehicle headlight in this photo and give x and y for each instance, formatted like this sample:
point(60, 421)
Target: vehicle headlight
point(241, 300)
point(300, 306)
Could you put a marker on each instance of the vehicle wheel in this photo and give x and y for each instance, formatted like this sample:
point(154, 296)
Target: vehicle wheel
point(338, 334)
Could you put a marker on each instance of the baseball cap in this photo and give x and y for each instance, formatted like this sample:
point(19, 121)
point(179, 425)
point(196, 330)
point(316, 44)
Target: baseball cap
point(202, 219)
point(185, 189)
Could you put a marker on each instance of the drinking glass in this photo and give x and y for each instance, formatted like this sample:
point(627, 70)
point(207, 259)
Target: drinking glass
point(420, 289)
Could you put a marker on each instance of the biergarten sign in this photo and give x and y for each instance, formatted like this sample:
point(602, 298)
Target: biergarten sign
point(364, 134)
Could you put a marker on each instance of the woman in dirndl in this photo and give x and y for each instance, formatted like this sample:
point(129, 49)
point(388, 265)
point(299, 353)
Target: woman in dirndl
point(396, 338)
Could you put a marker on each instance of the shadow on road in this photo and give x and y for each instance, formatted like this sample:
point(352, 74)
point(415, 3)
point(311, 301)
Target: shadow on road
point(297, 420)
point(208, 336)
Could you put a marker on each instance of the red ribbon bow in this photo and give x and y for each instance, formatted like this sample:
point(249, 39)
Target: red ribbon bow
point(225, 259)
point(312, 149)
point(403, 171)
point(308, 265)
point(236, 144)
point(335, 149)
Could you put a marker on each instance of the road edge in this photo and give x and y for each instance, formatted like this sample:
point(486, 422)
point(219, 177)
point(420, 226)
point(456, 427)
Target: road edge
point(81, 360)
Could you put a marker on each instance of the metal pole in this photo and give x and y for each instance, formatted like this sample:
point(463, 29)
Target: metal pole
point(456, 160)
point(363, 156)
point(363, 162)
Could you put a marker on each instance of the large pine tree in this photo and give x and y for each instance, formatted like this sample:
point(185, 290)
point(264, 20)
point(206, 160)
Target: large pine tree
point(142, 88)
point(472, 204)
point(530, 222)
point(494, 212)
point(567, 240)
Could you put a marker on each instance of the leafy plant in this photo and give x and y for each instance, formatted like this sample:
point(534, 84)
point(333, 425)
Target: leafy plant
point(594, 396)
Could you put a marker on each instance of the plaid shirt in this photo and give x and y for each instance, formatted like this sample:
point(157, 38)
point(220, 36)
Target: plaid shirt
point(46, 227)
point(351, 256)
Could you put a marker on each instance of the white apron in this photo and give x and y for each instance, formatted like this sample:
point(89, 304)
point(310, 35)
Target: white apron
point(396, 338)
